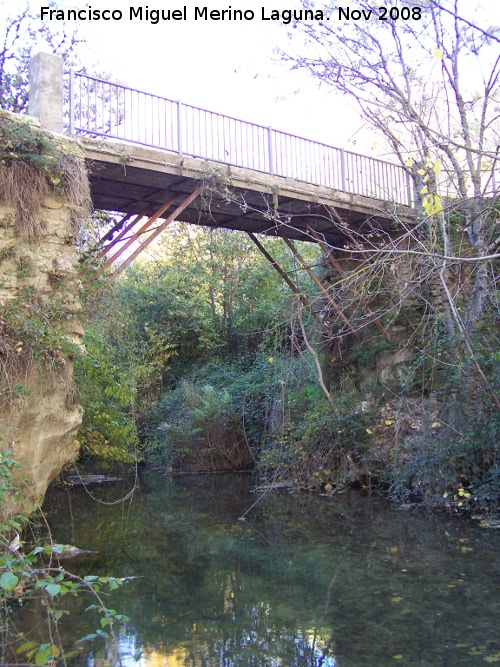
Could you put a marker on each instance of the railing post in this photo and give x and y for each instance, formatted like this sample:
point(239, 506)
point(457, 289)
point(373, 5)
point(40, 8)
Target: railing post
point(179, 127)
point(270, 150)
point(71, 101)
point(342, 170)
point(46, 90)
point(408, 188)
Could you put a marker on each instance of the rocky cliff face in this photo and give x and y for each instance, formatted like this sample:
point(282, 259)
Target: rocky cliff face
point(39, 334)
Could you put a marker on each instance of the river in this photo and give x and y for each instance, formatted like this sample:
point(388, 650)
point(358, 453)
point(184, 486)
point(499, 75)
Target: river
point(302, 581)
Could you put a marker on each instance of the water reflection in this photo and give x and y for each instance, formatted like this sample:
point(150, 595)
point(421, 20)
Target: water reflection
point(254, 648)
point(304, 582)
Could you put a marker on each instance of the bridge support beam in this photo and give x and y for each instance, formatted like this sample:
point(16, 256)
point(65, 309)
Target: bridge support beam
point(315, 278)
point(157, 231)
point(46, 91)
point(290, 284)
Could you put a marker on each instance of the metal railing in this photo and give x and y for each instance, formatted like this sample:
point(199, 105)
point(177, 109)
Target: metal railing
point(103, 109)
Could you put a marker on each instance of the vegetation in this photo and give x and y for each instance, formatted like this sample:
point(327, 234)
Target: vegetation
point(35, 575)
point(21, 34)
point(104, 377)
point(206, 314)
point(33, 167)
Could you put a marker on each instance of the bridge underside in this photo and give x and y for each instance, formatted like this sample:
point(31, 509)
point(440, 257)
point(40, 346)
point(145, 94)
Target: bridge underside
point(128, 178)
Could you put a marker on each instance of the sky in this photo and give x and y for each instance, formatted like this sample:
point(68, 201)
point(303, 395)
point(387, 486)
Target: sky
point(228, 66)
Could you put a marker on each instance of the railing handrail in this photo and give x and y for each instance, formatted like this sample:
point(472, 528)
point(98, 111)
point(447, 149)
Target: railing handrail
point(239, 120)
point(266, 130)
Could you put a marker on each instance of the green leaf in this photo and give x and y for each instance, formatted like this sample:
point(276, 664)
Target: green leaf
point(42, 657)
point(27, 646)
point(122, 617)
point(53, 589)
point(86, 638)
point(8, 581)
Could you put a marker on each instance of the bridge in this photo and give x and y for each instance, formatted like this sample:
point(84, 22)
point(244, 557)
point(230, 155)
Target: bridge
point(156, 159)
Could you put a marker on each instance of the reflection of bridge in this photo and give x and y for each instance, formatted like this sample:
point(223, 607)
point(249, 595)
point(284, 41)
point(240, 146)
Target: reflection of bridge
point(147, 156)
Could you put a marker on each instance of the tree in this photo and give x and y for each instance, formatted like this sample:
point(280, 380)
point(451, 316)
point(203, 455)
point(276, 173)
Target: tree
point(23, 32)
point(427, 79)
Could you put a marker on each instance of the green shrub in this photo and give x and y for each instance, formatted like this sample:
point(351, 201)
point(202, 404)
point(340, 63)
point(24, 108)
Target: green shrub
point(108, 430)
point(204, 433)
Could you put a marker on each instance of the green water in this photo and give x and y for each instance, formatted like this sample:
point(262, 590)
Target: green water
point(347, 581)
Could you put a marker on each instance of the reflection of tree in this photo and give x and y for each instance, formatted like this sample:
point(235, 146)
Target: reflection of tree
point(259, 644)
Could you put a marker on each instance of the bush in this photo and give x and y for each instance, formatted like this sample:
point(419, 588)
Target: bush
point(324, 450)
point(108, 430)
point(204, 433)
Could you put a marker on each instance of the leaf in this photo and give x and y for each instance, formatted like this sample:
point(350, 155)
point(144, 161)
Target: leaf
point(438, 54)
point(55, 650)
point(53, 589)
point(101, 633)
point(44, 654)
point(8, 581)
point(27, 646)
point(369, 431)
point(396, 599)
point(57, 548)
point(86, 638)
point(494, 657)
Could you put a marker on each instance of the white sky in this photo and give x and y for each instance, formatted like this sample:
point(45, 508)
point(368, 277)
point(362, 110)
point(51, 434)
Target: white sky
point(227, 66)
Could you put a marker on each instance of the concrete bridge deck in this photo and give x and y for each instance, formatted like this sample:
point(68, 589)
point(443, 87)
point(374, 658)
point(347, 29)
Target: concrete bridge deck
point(126, 178)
